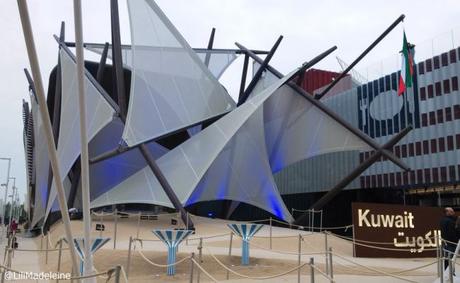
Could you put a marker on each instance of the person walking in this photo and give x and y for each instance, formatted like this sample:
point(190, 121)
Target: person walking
point(449, 234)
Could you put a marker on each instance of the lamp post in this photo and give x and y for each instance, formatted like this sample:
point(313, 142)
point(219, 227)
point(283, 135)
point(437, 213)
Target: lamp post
point(12, 199)
point(6, 190)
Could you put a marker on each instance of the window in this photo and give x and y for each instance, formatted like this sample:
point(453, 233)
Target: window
point(443, 174)
point(373, 181)
point(456, 112)
point(438, 89)
point(444, 59)
point(392, 179)
point(398, 179)
point(405, 178)
point(362, 181)
point(412, 179)
point(426, 147)
point(418, 148)
point(442, 145)
point(411, 149)
point(404, 150)
point(448, 114)
point(368, 181)
point(454, 83)
point(427, 176)
point(379, 181)
point(452, 173)
point(397, 151)
point(436, 62)
point(457, 141)
point(424, 119)
point(419, 176)
point(453, 57)
point(421, 67)
point(450, 142)
point(446, 84)
point(432, 116)
point(423, 93)
point(435, 175)
point(434, 146)
point(386, 182)
point(428, 65)
point(430, 91)
point(439, 114)
point(361, 157)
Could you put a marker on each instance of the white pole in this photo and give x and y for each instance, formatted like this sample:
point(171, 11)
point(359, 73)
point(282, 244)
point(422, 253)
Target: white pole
point(83, 139)
point(12, 200)
point(6, 193)
point(32, 53)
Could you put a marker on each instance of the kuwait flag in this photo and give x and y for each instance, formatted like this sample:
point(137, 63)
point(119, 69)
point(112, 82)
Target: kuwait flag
point(407, 69)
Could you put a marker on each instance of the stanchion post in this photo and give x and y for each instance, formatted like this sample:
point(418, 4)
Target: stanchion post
point(128, 262)
point(436, 239)
point(47, 246)
point(59, 259)
point(102, 224)
point(312, 270)
point(117, 274)
point(354, 240)
point(441, 276)
point(451, 271)
point(186, 240)
point(200, 258)
point(299, 257)
point(230, 253)
point(326, 248)
point(115, 229)
point(270, 233)
point(331, 270)
point(41, 242)
point(191, 267)
point(138, 225)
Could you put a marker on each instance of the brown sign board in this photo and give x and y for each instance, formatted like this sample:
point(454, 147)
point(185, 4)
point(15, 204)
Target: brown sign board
point(400, 231)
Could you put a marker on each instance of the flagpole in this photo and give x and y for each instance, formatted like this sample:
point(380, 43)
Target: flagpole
point(43, 107)
point(88, 262)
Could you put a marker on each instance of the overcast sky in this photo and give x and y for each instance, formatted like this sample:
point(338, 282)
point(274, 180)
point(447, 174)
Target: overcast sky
point(308, 27)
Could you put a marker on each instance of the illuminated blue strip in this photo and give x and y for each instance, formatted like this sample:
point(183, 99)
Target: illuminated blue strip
point(246, 232)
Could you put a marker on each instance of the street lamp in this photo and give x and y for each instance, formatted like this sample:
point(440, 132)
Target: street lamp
point(6, 188)
point(12, 200)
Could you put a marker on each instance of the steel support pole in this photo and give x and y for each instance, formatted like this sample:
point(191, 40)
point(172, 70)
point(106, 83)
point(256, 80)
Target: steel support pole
point(331, 269)
point(102, 64)
point(270, 233)
point(210, 44)
point(363, 54)
point(244, 74)
point(32, 53)
point(59, 258)
point(324, 108)
point(84, 157)
point(12, 200)
point(230, 253)
point(46, 247)
point(200, 259)
point(259, 72)
point(326, 249)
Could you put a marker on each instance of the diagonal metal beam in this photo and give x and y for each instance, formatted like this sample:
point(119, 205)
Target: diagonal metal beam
point(363, 54)
point(259, 72)
point(244, 74)
point(358, 171)
point(102, 64)
point(210, 44)
point(328, 111)
point(31, 82)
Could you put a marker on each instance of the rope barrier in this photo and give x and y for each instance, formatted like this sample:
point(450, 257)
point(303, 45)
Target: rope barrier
point(161, 265)
point(39, 250)
point(374, 269)
point(285, 252)
point(203, 270)
point(322, 273)
point(255, 278)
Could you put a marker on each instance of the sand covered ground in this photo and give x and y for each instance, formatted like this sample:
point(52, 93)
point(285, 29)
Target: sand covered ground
point(264, 262)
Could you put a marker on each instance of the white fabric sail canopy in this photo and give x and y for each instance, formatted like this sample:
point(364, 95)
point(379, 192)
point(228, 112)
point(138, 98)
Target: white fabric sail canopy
point(227, 160)
point(218, 61)
point(171, 88)
point(295, 129)
point(98, 110)
point(42, 165)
